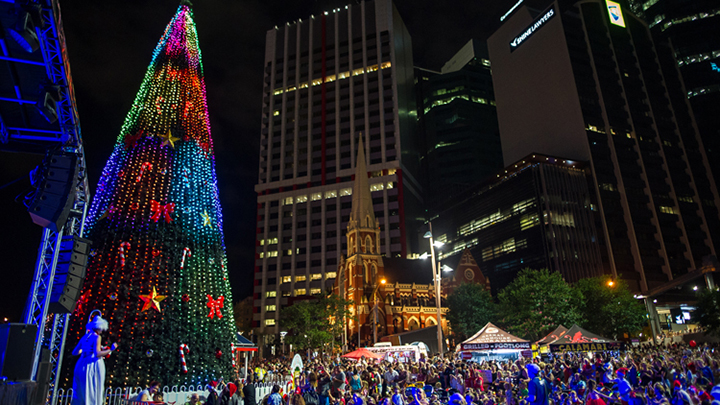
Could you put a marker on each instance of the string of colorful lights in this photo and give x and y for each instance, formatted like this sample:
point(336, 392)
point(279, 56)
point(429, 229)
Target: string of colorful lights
point(158, 268)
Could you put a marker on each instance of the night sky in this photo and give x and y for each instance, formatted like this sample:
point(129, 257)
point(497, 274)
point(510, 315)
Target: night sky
point(110, 44)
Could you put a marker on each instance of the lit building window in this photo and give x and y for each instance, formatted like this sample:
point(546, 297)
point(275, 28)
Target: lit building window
point(667, 210)
point(391, 172)
point(315, 291)
point(508, 246)
point(346, 191)
point(271, 294)
point(301, 199)
point(300, 278)
point(286, 279)
point(286, 293)
point(331, 194)
point(607, 187)
point(529, 220)
point(299, 292)
point(272, 253)
point(270, 322)
point(330, 274)
point(316, 196)
point(270, 308)
point(316, 276)
point(377, 187)
point(288, 201)
point(276, 113)
point(332, 78)
point(390, 185)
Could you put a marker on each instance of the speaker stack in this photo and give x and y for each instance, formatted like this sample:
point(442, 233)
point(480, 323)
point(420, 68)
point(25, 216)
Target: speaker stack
point(69, 274)
point(55, 193)
point(17, 342)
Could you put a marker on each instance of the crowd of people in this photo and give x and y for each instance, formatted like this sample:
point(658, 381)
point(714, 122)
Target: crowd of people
point(646, 375)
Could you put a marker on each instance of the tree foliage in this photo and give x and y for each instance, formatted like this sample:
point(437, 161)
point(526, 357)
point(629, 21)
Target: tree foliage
point(536, 302)
point(707, 311)
point(314, 324)
point(609, 309)
point(470, 307)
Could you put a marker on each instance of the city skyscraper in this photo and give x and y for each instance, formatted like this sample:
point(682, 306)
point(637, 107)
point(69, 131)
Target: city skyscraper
point(535, 213)
point(456, 115)
point(585, 80)
point(329, 80)
point(690, 29)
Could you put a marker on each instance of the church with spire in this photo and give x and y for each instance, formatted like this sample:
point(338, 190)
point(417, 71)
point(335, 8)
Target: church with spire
point(403, 288)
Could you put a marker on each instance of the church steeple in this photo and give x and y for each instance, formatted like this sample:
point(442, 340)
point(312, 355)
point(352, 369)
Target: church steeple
point(362, 214)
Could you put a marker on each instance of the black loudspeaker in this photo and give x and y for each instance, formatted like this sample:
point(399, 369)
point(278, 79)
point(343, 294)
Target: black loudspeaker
point(69, 274)
point(55, 193)
point(43, 378)
point(17, 344)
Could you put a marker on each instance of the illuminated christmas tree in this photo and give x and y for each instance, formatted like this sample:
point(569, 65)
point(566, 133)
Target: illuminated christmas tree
point(158, 269)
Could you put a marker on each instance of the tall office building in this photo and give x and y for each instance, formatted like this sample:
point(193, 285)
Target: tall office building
point(536, 213)
point(330, 79)
point(456, 115)
point(691, 29)
point(584, 80)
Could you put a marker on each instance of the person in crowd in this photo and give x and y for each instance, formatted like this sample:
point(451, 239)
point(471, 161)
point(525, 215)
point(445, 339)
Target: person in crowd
point(146, 395)
point(89, 372)
point(248, 391)
point(275, 398)
point(194, 399)
point(538, 390)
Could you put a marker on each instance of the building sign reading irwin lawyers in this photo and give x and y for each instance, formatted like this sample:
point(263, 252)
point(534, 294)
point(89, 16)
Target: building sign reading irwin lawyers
point(544, 18)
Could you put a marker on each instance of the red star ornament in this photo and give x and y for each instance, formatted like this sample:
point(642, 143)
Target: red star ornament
point(152, 300)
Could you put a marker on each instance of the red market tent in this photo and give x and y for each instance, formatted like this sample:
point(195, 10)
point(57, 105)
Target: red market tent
point(362, 352)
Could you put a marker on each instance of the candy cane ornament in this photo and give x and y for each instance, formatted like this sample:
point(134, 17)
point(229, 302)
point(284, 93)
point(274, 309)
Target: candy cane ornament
point(121, 252)
point(145, 166)
point(183, 349)
point(186, 253)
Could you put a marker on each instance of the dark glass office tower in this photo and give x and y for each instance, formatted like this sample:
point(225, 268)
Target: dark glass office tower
point(456, 115)
point(587, 81)
point(329, 79)
point(536, 213)
point(690, 28)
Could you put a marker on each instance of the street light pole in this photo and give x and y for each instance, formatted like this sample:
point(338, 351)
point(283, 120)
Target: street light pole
point(375, 310)
point(438, 281)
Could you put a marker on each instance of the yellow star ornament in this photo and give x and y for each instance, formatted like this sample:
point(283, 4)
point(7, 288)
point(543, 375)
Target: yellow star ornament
point(169, 139)
point(206, 218)
point(152, 300)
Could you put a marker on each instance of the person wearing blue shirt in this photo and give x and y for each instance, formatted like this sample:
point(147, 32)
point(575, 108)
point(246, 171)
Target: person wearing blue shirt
point(538, 391)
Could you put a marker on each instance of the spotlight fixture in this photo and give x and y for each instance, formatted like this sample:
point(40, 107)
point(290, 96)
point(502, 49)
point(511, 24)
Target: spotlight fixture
point(47, 103)
point(24, 33)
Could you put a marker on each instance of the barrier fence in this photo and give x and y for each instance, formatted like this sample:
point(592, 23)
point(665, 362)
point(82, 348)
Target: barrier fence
point(177, 395)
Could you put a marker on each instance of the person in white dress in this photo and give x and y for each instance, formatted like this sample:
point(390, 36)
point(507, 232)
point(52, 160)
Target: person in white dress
point(89, 375)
